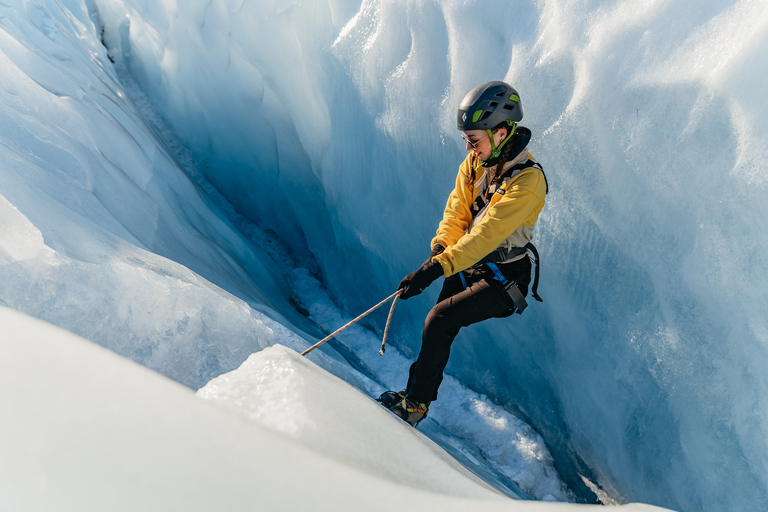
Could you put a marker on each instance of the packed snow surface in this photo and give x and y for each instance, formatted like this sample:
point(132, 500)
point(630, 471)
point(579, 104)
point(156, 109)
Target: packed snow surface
point(94, 431)
point(231, 175)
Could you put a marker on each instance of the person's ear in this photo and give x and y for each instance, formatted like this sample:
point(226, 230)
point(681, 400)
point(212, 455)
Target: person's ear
point(499, 136)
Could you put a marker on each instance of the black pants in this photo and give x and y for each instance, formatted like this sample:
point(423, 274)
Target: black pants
point(457, 307)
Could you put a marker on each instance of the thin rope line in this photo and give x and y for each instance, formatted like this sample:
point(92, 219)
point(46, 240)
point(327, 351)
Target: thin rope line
point(386, 327)
point(350, 323)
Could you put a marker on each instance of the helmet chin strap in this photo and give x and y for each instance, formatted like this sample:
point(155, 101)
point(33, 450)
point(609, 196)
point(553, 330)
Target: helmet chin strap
point(496, 151)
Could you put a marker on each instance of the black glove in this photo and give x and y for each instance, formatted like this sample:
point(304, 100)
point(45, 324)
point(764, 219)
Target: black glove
point(436, 249)
point(416, 282)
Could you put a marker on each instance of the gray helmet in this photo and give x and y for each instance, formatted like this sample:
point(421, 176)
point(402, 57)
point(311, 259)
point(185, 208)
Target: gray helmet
point(488, 105)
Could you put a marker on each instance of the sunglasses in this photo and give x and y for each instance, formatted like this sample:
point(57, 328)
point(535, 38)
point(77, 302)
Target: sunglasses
point(473, 143)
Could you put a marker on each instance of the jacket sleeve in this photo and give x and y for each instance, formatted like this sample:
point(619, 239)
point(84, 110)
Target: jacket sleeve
point(519, 206)
point(457, 216)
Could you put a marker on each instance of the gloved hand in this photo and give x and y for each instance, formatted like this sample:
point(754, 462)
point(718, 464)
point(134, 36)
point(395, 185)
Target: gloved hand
point(416, 282)
point(436, 249)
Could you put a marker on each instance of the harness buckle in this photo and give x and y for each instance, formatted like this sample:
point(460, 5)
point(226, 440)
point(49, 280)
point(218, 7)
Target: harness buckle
point(511, 288)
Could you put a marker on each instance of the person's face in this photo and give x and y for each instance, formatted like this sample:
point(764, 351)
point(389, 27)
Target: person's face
point(480, 144)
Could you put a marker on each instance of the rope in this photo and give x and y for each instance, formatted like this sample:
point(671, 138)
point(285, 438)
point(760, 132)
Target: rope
point(350, 323)
point(386, 327)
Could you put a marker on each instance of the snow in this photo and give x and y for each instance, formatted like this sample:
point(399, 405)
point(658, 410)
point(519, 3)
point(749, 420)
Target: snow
point(89, 430)
point(292, 395)
point(248, 174)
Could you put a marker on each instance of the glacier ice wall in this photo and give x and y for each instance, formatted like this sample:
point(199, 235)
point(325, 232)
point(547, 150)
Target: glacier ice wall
point(102, 232)
point(331, 122)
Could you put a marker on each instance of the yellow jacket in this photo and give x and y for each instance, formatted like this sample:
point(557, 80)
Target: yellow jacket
point(507, 221)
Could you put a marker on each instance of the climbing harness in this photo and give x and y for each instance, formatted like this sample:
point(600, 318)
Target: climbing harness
point(501, 255)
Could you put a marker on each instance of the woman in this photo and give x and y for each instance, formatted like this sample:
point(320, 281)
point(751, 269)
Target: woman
point(482, 242)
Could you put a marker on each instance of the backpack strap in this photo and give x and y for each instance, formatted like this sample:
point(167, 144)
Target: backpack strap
point(497, 187)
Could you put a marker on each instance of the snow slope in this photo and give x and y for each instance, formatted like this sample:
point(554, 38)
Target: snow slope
point(86, 430)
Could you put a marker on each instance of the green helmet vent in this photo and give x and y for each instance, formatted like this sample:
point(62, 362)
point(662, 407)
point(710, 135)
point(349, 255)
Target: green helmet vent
point(477, 115)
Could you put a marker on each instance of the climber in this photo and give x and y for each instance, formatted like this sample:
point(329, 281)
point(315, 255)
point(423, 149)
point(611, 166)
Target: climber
point(483, 242)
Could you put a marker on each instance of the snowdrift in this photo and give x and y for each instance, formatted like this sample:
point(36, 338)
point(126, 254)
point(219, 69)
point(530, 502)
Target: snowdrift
point(88, 430)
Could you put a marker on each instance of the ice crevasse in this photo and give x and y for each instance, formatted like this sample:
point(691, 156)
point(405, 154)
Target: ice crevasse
point(332, 124)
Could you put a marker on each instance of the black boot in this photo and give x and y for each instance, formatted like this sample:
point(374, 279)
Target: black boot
point(390, 398)
point(411, 412)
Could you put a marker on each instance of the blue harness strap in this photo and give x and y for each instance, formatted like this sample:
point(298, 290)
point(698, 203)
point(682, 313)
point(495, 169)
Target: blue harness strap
point(497, 275)
point(518, 301)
